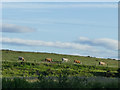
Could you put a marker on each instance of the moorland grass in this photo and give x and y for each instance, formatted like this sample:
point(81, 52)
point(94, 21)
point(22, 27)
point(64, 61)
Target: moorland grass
point(35, 66)
point(61, 82)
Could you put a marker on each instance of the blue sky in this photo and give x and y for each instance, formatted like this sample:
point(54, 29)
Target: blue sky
point(67, 28)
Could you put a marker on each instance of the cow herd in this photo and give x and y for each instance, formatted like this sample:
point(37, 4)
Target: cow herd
point(63, 60)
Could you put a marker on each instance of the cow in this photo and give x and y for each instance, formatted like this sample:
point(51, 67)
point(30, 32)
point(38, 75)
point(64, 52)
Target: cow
point(101, 63)
point(77, 61)
point(48, 59)
point(21, 58)
point(64, 60)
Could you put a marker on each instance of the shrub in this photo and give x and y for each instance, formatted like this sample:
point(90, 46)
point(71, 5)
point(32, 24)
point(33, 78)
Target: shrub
point(118, 72)
point(15, 83)
point(62, 80)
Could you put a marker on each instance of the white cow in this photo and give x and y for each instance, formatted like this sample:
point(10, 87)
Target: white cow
point(101, 63)
point(64, 60)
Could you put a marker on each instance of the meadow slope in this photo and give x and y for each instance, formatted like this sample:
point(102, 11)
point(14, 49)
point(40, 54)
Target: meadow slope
point(38, 73)
point(39, 57)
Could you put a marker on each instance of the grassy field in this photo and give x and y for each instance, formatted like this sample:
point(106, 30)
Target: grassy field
point(39, 57)
point(35, 66)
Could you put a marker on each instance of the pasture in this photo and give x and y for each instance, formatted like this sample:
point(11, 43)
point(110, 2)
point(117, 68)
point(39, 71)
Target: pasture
point(35, 66)
point(12, 56)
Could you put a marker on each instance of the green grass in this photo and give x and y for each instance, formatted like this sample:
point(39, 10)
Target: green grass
point(35, 66)
point(36, 56)
point(61, 82)
point(28, 69)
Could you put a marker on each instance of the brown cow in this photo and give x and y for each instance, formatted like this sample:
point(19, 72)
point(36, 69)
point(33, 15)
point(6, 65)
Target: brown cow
point(101, 63)
point(48, 59)
point(77, 61)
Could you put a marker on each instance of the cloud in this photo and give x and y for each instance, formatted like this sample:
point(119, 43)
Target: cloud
point(72, 47)
point(102, 42)
point(69, 45)
point(12, 28)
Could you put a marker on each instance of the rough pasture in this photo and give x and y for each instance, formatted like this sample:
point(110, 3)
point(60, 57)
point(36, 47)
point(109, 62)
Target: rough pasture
point(40, 57)
point(36, 66)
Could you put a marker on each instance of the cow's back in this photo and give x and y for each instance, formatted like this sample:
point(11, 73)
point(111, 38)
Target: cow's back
point(101, 63)
point(76, 61)
point(48, 59)
point(64, 59)
point(20, 58)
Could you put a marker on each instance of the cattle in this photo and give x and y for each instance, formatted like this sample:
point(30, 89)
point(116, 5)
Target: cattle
point(48, 59)
point(101, 63)
point(64, 60)
point(77, 61)
point(21, 58)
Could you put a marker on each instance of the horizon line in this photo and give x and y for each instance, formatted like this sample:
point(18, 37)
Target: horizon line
point(60, 54)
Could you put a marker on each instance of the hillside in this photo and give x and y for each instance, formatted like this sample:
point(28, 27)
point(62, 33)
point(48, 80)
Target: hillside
point(38, 73)
point(35, 65)
point(10, 55)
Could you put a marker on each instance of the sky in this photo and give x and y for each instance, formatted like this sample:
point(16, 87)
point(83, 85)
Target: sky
point(74, 28)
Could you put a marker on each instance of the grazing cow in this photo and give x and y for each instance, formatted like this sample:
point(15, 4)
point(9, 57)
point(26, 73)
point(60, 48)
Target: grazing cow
point(48, 59)
point(64, 60)
point(77, 61)
point(21, 58)
point(101, 63)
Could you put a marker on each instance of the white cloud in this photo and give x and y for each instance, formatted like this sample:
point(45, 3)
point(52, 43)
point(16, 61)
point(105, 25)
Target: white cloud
point(77, 48)
point(68, 45)
point(102, 42)
point(12, 28)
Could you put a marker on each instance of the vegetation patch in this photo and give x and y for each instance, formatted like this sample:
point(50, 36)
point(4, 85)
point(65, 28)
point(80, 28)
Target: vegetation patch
point(57, 73)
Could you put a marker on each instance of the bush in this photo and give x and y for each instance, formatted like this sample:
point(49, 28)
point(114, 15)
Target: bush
point(62, 81)
point(118, 72)
point(15, 83)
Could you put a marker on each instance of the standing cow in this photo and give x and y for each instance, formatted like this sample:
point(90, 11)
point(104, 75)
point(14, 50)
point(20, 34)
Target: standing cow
point(64, 60)
point(77, 61)
point(48, 59)
point(101, 63)
point(21, 58)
